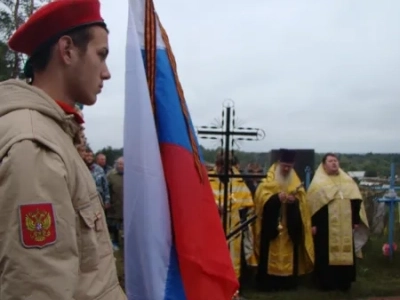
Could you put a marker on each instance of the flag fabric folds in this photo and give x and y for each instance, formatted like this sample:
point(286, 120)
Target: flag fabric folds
point(175, 248)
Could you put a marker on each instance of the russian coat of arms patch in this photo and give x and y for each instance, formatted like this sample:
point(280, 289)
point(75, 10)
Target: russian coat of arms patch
point(37, 223)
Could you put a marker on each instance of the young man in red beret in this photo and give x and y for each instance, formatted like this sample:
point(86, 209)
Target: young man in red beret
point(54, 239)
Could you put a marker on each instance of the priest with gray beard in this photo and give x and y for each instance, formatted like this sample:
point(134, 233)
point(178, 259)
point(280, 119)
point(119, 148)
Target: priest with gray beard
point(283, 240)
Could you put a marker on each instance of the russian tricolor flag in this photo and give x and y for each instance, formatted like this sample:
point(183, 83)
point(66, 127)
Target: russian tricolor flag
point(175, 248)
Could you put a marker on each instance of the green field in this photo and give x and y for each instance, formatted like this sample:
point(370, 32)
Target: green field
point(377, 276)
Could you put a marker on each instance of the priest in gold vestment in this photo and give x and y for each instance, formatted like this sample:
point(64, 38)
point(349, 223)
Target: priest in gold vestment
point(283, 240)
point(240, 202)
point(338, 216)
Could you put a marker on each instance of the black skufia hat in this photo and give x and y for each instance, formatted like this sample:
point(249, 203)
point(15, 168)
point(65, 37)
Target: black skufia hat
point(287, 156)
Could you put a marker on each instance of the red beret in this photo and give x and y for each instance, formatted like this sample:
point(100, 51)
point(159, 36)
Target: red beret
point(53, 20)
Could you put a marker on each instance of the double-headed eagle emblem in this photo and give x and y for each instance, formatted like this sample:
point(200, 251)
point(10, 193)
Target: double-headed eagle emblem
point(38, 223)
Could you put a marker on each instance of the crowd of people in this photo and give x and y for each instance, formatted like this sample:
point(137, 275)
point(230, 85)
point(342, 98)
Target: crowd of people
point(296, 232)
point(109, 182)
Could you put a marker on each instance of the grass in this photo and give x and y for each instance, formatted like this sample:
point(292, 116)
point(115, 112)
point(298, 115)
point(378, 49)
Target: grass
point(377, 277)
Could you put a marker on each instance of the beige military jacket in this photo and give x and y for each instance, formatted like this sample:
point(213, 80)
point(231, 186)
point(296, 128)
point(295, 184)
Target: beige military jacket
point(54, 242)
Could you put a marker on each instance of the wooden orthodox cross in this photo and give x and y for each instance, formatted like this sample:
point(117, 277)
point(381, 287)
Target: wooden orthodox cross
point(227, 132)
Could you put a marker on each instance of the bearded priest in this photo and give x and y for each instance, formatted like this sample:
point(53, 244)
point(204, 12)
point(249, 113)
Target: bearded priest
point(283, 240)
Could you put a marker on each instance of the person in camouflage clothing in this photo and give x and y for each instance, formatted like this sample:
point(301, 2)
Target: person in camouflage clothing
point(99, 177)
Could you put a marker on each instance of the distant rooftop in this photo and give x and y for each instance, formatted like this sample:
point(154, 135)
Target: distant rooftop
point(356, 174)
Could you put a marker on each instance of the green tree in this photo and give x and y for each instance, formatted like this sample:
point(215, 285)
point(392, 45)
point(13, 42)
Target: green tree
point(6, 62)
point(374, 164)
point(371, 173)
point(13, 13)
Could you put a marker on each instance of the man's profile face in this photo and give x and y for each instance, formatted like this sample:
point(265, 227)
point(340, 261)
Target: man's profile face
point(331, 165)
point(120, 165)
point(101, 160)
point(89, 70)
point(285, 168)
point(254, 169)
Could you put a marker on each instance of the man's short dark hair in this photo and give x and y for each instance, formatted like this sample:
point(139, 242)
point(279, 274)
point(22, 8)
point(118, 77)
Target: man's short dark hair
point(325, 157)
point(80, 37)
point(221, 160)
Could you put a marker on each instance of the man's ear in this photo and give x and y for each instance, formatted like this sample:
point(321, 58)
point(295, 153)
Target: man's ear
point(66, 49)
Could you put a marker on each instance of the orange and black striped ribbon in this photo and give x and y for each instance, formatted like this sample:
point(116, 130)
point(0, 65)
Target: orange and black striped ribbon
point(150, 46)
point(151, 20)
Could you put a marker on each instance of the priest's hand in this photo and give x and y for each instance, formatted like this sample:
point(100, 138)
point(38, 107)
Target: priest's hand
point(314, 230)
point(282, 196)
point(291, 198)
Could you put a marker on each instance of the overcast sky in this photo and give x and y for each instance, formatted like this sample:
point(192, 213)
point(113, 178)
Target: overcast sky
point(322, 74)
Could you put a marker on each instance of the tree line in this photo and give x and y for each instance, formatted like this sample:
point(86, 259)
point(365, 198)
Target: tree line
point(374, 164)
point(13, 13)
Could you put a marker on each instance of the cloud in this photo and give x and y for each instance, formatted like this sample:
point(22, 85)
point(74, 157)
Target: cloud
point(311, 74)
